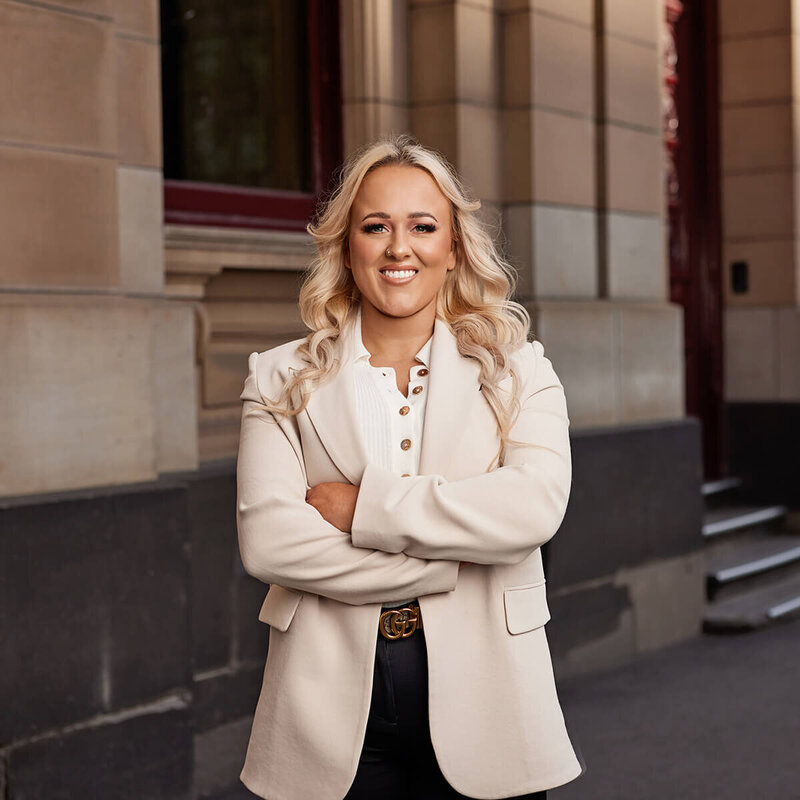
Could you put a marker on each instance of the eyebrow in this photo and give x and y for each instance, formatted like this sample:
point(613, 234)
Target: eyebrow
point(412, 215)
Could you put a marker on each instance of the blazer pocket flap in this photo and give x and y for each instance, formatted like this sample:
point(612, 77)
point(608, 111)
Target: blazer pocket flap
point(279, 606)
point(526, 607)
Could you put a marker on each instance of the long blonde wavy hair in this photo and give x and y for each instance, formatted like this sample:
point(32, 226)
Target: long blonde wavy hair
point(475, 299)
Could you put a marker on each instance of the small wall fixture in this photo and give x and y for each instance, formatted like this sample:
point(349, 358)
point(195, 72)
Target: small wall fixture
point(739, 277)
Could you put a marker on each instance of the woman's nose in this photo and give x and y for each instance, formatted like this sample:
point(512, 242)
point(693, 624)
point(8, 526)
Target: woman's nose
point(399, 245)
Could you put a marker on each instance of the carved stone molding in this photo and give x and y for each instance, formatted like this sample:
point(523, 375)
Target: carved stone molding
point(194, 254)
point(243, 285)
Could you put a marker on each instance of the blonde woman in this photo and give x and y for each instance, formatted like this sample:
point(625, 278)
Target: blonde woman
point(399, 469)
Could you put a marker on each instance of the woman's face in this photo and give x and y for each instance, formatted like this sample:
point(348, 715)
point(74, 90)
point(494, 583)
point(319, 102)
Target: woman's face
point(400, 221)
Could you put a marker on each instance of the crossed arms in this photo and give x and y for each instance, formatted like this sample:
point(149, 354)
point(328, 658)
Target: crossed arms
point(408, 535)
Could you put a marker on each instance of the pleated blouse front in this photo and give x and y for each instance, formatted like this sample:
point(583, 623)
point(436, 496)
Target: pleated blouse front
point(391, 424)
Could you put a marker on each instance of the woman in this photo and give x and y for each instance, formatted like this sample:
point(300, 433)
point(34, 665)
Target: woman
point(407, 654)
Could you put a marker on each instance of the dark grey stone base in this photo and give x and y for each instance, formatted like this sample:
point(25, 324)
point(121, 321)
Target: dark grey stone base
point(635, 498)
point(147, 756)
point(129, 630)
point(131, 640)
point(624, 571)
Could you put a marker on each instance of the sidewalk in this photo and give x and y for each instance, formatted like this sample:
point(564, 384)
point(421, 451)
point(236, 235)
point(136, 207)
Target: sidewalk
point(715, 717)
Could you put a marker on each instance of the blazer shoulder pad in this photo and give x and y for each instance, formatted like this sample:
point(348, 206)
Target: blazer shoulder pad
point(268, 370)
point(523, 361)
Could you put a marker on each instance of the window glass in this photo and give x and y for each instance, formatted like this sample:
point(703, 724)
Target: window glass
point(236, 98)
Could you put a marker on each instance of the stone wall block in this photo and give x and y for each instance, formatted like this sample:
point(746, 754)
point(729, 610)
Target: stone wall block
point(58, 219)
point(433, 54)
point(751, 354)
point(635, 166)
point(636, 256)
point(140, 200)
point(771, 271)
point(139, 102)
point(140, 17)
point(576, 10)
point(58, 89)
point(79, 407)
point(743, 17)
point(651, 360)
point(758, 205)
point(633, 83)
point(635, 19)
point(579, 340)
point(174, 392)
point(757, 137)
point(564, 159)
point(756, 69)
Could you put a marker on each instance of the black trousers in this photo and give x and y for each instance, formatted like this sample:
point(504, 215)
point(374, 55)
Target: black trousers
point(397, 760)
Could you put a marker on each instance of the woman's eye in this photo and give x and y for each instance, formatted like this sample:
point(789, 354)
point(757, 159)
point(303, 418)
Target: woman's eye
point(378, 227)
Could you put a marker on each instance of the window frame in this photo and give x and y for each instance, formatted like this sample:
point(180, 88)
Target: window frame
point(189, 202)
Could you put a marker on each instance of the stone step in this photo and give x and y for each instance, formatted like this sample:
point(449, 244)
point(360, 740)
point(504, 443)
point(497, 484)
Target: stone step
point(778, 601)
point(719, 493)
point(748, 558)
point(741, 565)
point(718, 522)
point(710, 488)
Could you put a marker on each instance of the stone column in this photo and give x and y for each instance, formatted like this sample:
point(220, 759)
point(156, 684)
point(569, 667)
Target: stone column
point(760, 130)
point(584, 191)
point(98, 383)
point(454, 62)
point(549, 159)
point(374, 52)
point(631, 194)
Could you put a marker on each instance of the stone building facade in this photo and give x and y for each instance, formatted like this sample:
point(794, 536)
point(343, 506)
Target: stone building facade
point(125, 334)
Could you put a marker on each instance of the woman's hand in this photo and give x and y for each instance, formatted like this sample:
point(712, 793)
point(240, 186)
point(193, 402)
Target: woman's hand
point(336, 502)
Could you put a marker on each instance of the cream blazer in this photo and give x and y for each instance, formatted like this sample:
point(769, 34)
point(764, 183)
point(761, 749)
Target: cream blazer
point(496, 724)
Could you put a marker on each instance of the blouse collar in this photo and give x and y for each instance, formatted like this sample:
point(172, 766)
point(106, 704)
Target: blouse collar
point(360, 352)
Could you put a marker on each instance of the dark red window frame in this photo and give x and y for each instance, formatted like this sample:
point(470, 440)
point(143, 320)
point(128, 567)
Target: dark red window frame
point(197, 203)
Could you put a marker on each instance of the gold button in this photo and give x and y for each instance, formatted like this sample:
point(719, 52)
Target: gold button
point(417, 389)
point(405, 475)
point(404, 410)
point(405, 444)
point(423, 371)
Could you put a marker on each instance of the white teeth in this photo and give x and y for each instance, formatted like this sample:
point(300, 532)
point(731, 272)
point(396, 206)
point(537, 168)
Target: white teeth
point(396, 273)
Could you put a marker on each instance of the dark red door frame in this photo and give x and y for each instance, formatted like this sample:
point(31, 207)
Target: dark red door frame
point(694, 219)
point(195, 203)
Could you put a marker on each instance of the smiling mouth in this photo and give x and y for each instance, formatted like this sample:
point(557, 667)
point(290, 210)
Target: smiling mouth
point(398, 277)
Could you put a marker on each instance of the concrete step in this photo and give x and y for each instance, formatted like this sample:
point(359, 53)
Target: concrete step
point(721, 521)
point(740, 562)
point(711, 488)
point(720, 492)
point(779, 600)
point(752, 557)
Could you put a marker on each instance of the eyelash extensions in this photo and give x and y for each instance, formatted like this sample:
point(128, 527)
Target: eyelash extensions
point(371, 227)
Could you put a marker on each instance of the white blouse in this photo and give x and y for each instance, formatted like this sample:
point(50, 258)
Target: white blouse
point(391, 424)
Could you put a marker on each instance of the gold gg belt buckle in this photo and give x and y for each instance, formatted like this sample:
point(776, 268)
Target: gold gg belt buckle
point(399, 623)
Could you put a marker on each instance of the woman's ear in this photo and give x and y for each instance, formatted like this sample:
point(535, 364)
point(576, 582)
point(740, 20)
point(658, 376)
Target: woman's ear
point(453, 254)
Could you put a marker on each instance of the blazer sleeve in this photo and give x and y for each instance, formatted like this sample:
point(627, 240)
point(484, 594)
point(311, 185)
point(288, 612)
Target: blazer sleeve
point(497, 517)
point(286, 541)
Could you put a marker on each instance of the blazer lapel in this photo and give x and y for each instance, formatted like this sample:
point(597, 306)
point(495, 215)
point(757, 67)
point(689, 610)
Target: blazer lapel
point(452, 389)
